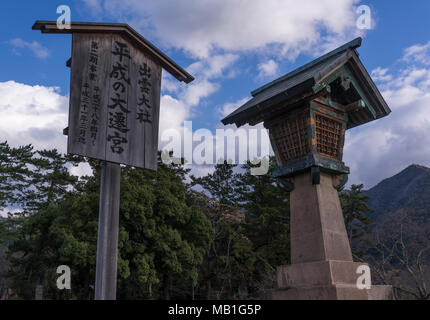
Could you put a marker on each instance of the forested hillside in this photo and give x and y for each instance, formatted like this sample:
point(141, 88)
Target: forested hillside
point(400, 233)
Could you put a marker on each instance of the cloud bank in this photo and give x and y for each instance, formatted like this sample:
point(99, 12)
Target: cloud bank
point(33, 115)
point(217, 33)
point(202, 27)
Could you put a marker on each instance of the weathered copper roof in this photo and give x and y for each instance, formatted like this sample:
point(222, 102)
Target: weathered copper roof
point(126, 31)
point(309, 77)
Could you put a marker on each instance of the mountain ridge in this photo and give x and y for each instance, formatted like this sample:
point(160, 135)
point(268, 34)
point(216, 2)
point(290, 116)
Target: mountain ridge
point(407, 190)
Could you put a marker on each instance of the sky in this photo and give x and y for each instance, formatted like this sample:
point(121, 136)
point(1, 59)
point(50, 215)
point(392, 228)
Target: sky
point(231, 47)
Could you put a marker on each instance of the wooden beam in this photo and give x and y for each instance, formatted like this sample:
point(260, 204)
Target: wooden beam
point(369, 81)
point(355, 106)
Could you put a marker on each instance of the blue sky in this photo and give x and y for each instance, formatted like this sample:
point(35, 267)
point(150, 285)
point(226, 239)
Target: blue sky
point(231, 47)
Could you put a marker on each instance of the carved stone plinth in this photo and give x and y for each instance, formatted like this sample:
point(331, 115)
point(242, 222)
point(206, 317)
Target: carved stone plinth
point(322, 266)
point(325, 280)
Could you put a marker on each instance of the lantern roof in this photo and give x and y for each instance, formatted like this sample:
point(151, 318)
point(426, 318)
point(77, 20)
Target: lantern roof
point(126, 31)
point(339, 72)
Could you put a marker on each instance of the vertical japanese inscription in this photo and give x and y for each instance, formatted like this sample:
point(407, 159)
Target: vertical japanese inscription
point(83, 113)
point(144, 104)
point(118, 101)
point(114, 101)
point(144, 114)
point(95, 98)
point(89, 104)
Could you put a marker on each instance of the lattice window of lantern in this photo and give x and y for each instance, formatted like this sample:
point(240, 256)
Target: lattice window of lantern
point(291, 137)
point(328, 133)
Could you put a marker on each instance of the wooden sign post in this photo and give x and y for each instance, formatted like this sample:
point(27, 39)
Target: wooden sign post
point(107, 241)
point(114, 117)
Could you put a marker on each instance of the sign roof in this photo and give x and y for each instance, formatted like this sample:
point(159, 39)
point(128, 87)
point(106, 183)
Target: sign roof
point(126, 31)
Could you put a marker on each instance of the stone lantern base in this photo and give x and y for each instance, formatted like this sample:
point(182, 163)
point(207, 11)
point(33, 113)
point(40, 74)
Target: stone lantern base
point(325, 280)
point(321, 267)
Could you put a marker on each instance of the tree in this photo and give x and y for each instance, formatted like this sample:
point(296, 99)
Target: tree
point(50, 179)
point(355, 210)
point(229, 259)
point(250, 215)
point(3, 262)
point(400, 256)
point(14, 173)
point(267, 210)
point(221, 184)
point(165, 235)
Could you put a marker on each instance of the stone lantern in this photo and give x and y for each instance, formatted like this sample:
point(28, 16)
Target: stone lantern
point(307, 113)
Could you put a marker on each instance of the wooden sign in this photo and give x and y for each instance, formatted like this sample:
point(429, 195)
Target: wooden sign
point(114, 101)
point(114, 116)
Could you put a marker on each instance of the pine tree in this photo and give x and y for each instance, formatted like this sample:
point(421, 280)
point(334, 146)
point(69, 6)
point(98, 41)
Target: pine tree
point(221, 184)
point(355, 210)
point(267, 216)
point(50, 179)
point(14, 173)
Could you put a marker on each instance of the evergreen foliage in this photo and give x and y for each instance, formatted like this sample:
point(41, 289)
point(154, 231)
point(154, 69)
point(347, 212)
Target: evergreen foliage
point(224, 241)
point(355, 211)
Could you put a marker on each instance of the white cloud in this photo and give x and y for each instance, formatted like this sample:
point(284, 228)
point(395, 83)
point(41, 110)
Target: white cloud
point(203, 27)
point(202, 171)
point(418, 53)
point(178, 100)
point(173, 113)
point(268, 69)
point(4, 212)
point(169, 83)
point(214, 66)
point(380, 74)
point(385, 147)
point(38, 50)
point(229, 107)
point(83, 169)
point(32, 114)
point(196, 91)
point(94, 5)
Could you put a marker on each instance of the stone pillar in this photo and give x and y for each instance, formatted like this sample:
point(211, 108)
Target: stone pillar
point(321, 267)
point(318, 230)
